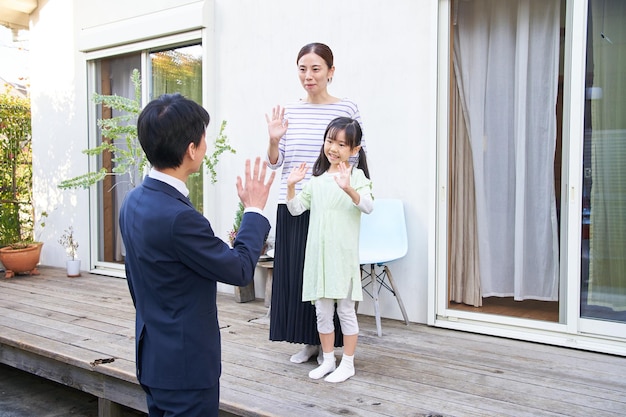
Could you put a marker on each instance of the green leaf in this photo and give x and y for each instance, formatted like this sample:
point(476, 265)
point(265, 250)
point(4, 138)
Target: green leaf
point(85, 180)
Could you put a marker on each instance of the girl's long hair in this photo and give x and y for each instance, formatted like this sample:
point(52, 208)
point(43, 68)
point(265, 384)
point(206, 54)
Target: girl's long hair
point(353, 134)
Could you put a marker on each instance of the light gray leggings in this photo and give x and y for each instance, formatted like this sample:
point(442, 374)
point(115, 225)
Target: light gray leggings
point(325, 310)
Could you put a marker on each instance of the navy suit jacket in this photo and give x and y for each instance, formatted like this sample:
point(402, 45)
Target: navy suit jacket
point(173, 263)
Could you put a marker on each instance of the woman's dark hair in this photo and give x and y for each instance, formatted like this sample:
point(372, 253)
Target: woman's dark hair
point(352, 133)
point(318, 49)
point(166, 127)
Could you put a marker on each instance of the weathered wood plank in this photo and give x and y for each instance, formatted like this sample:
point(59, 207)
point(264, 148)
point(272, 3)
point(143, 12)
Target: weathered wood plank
point(94, 382)
point(55, 326)
point(67, 353)
point(433, 373)
point(391, 390)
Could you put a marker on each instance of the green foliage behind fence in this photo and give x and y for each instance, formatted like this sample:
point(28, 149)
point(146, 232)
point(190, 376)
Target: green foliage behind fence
point(16, 175)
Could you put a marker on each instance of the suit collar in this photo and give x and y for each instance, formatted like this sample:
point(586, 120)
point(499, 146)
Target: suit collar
point(161, 186)
point(168, 179)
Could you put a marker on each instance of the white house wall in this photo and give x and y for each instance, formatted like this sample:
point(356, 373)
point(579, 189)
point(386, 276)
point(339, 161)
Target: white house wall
point(385, 59)
point(59, 125)
point(105, 24)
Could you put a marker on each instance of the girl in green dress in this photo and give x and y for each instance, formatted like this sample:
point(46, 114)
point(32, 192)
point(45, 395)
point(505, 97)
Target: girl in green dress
point(336, 196)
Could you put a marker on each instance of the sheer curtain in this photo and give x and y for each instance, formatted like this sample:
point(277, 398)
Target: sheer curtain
point(506, 56)
point(121, 85)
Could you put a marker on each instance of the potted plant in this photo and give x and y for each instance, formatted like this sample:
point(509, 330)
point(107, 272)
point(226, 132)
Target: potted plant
point(122, 162)
point(232, 234)
point(70, 244)
point(242, 294)
point(19, 258)
point(22, 255)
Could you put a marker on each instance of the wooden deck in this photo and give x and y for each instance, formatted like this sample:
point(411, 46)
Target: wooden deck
point(69, 329)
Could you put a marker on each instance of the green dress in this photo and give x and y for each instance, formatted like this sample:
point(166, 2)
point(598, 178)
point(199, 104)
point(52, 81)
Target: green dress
point(331, 263)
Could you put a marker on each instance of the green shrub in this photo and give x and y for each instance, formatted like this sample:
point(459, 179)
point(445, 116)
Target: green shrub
point(16, 173)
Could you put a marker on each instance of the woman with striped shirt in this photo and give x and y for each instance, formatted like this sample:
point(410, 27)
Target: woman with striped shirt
point(296, 134)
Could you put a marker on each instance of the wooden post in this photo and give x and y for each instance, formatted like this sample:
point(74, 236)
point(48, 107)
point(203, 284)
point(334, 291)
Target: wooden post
point(107, 408)
point(245, 294)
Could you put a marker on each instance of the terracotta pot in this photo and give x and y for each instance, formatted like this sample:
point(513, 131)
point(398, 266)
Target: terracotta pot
point(17, 261)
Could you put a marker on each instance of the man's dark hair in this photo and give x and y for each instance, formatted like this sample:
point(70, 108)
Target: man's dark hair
point(166, 127)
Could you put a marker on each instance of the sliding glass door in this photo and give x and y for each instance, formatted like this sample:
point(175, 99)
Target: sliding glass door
point(603, 266)
point(176, 69)
point(504, 159)
point(536, 195)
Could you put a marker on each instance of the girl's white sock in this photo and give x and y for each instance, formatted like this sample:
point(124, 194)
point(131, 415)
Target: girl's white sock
point(344, 371)
point(325, 368)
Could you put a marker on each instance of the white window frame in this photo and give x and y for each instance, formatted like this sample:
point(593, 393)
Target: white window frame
point(574, 331)
point(172, 41)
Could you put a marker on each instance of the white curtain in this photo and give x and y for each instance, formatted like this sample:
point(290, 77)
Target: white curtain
point(121, 85)
point(506, 56)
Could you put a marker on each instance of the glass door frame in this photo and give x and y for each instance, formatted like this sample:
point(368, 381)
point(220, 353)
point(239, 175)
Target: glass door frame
point(571, 330)
point(589, 326)
point(145, 48)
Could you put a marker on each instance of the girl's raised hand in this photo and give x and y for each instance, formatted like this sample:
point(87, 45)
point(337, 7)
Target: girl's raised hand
point(297, 174)
point(276, 124)
point(343, 178)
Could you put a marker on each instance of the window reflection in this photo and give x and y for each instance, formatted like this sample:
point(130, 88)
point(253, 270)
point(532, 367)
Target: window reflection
point(603, 280)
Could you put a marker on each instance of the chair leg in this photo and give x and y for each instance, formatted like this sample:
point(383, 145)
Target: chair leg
point(375, 291)
point(397, 294)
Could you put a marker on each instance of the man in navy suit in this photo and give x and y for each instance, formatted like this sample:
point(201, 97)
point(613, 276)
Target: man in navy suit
point(174, 261)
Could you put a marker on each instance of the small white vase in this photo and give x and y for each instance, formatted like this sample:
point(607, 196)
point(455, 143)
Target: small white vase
point(73, 267)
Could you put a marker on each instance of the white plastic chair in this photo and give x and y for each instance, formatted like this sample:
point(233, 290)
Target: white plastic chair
point(382, 239)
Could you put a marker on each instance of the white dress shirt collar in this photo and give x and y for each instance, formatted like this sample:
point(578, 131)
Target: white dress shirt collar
point(168, 179)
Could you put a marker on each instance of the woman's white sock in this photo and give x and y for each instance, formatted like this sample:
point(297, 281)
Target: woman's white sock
point(305, 354)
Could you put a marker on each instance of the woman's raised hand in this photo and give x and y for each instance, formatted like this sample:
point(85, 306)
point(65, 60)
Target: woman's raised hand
point(276, 124)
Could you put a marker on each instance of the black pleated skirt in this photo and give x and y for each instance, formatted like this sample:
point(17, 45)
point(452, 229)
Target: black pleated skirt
point(291, 319)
